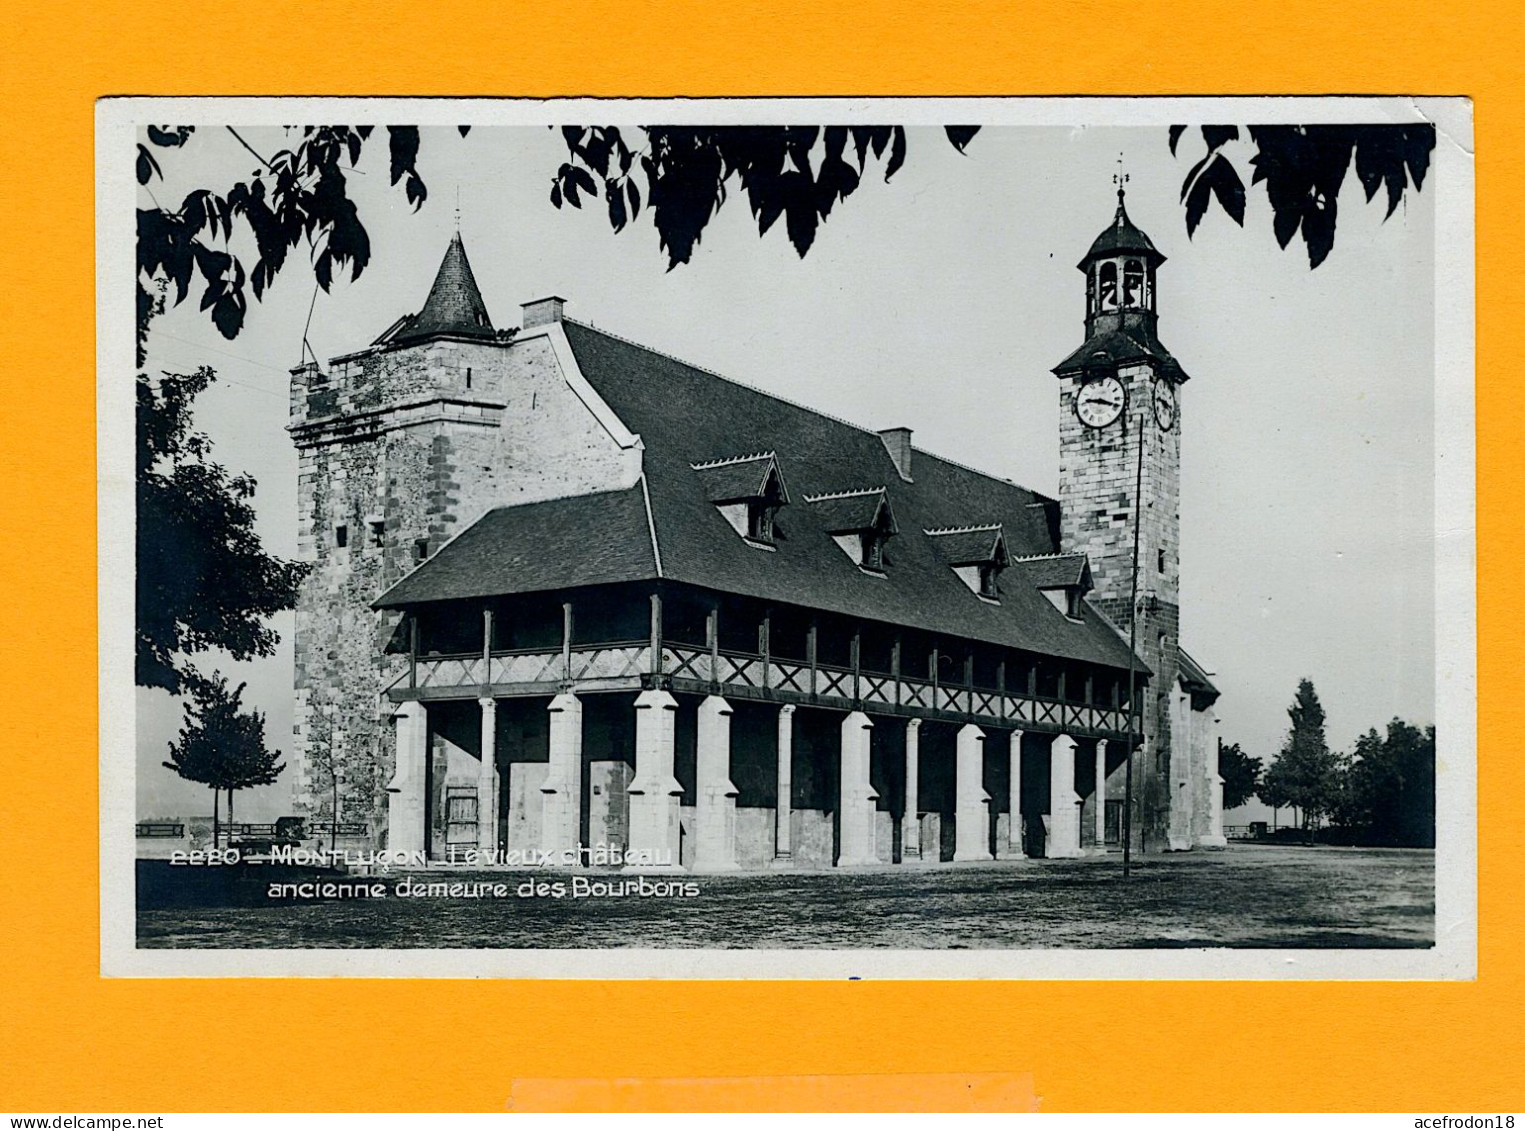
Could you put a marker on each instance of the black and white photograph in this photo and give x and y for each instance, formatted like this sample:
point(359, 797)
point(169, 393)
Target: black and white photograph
point(877, 538)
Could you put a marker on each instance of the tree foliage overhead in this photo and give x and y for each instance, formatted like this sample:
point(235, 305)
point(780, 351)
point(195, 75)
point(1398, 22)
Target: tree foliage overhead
point(300, 195)
point(204, 580)
point(1303, 168)
point(684, 175)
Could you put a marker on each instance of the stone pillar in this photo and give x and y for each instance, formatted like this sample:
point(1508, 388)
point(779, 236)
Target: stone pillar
point(1063, 802)
point(1213, 837)
point(783, 810)
point(715, 796)
point(1099, 799)
point(487, 782)
point(1013, 849)
point(855, 797)
point(561, 792)
point(971, 815)
point(654, 792)
point(910, 820)
point(407, 828)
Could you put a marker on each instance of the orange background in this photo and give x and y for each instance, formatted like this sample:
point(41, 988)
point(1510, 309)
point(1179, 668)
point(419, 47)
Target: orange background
point(71, 1041)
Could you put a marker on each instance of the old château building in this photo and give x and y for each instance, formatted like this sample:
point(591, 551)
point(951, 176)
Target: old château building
point(572, 591)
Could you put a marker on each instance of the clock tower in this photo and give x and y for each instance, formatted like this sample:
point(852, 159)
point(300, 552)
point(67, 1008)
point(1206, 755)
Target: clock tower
point(1119, 473)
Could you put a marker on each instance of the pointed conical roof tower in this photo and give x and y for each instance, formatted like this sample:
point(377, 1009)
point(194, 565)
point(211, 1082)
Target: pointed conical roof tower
point(454, 307)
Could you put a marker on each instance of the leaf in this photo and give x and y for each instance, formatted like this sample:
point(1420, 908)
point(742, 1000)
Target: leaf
point(897, 153)
point(1418, 143)
point(961, 136)
point(616, 199)
point(148, 168)
point(556, 194)
point(1217, 137)
point(403, 144)
point(170, 136)
point(1175, 136)
point(634, 193)
point(583, 179)
point(1228, 188)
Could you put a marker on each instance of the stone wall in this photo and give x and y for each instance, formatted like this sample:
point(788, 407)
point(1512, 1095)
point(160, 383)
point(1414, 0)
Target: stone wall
point(403, 448)
point(1098, 472)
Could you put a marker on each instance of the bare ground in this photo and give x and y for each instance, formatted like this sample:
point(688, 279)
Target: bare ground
point(1246, 897)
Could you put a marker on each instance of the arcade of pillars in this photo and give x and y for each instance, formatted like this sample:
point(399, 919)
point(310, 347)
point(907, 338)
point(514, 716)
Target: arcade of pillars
point(700, 829)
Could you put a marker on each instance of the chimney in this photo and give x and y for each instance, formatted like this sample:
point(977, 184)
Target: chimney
point(897, 441)
point(542, 310)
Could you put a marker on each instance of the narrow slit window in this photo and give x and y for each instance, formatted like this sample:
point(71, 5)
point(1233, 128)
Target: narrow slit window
point(341, 536)
point(468, 376)
point(378, 534)
point(420, 549)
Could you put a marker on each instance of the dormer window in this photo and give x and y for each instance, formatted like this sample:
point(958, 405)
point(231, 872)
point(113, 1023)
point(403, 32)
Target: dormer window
point(748, 492)
point(873, 551)
point(1064, 579)
point(859, 522)
point(988, 574)
point(976, 554)
point(760, 520)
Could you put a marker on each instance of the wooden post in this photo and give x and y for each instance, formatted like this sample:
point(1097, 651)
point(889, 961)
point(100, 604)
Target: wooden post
point(1061, 685)
point(1090, 689)
point(656, 634)
point(932, 664)
point(1032, 680)
point(412, 650)
point(712, 637)
point(486, 649)
point(856, 654)
point(810, 655)
point(566, 640)
point(1000, 687)
point(765, 648)
point(895, 668)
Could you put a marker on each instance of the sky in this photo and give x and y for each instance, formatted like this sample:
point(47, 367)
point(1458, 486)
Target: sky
point(939, 300)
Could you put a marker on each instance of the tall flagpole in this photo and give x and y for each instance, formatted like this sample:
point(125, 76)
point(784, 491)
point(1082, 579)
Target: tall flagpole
point(1133, 712)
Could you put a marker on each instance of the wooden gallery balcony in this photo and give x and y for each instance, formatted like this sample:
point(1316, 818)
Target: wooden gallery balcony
point(633, 665)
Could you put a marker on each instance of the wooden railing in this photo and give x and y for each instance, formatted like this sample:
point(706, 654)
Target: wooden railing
point(763, 676)
point(161, 829)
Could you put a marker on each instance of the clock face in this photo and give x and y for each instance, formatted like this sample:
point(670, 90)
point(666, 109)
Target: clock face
point(1165, 404)
point(1099, 403)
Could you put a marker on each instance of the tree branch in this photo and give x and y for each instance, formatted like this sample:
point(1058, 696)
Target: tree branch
point(250, 148)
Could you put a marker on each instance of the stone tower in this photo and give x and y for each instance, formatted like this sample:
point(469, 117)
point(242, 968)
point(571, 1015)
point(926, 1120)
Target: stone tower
point(1119, 468)
point(401, 445)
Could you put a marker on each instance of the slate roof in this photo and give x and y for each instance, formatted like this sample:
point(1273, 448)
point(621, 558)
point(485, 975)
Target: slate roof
point(967, 546)
point(731, 480)
point(561, 543)
point(1054, 571)
point(685, 416)
point(846, 512)
point(1122, 236)
point(1120, 347)
point(454, 306)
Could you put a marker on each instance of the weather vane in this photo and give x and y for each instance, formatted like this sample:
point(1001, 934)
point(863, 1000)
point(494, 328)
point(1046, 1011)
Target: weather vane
point(1120, 178)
